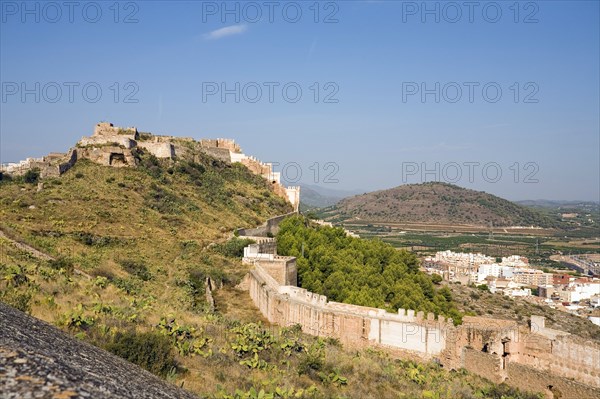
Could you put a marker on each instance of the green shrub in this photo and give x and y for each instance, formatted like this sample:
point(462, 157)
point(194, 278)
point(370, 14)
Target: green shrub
point(101, 282)
point(17, 299)
point(76, 319)
point(186, 339)
point(5, 177)
point(163, 201)
point(483, 287)
point(193, 170)
point(148, 162)
point(93, 240)
point(233, 248)
point(151, 351)
point(313, 359)
point(503, 391)
point(62, 263)
point(31, 176)
point(128, 285)
point(14, 275)
point(137, 269)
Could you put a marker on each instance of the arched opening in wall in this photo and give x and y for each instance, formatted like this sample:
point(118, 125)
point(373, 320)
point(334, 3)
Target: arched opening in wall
point(117, 159)
point(486, 348)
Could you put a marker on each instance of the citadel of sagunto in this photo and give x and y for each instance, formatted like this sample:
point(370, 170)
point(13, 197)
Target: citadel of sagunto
point(534, 358)
point(115, 146)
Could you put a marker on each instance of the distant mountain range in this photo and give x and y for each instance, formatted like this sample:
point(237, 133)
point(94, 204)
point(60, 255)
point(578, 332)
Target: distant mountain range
point(314, 196)
point(541, 203)
point(438, 203)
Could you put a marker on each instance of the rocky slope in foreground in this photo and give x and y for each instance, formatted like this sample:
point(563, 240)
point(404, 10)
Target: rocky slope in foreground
point(38, 360)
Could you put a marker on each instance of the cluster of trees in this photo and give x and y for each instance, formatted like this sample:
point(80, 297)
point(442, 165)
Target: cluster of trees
point(361, 272)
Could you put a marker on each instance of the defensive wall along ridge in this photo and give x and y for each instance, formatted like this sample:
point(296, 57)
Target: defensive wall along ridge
point(532, 358)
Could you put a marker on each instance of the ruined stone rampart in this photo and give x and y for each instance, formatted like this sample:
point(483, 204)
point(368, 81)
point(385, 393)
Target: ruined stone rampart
point(531, 379)
point(115, 146)
point(227, 144)
point(564, 356)
point(68, 162)
point(222, 154)
point(108, 129)
point(109, 155)
point(269, 228)
point(483, 364)
point(357, 326)
point(52, 165)
point(158, 149)
point(100, 141)
point(502, 351)
point(256, 166)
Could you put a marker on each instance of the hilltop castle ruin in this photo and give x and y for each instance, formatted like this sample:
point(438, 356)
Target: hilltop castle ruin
point(116, 146)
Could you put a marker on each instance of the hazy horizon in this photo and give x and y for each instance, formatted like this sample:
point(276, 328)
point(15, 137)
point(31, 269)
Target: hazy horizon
point(359, 191)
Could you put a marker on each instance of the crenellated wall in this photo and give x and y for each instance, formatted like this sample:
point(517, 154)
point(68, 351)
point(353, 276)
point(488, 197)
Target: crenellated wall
point(532, 359)
point(357, 326)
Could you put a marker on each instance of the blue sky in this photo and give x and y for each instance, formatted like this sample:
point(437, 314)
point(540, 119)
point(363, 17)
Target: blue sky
point(361, 67)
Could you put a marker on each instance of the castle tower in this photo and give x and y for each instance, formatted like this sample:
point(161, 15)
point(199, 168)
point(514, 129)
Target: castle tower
point(293, 194)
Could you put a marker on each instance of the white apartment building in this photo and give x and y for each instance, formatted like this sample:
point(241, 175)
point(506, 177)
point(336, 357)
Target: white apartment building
point(494, 270)
point(532, 277)
point(577, 292)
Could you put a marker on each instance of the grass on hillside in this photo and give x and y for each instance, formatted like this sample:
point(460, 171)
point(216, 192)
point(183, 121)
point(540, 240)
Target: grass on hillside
point(437, 203)
point(133, 248)
point(231, 353)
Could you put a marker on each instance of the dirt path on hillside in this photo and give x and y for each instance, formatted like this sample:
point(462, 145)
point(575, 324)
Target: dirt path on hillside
point(36, 253)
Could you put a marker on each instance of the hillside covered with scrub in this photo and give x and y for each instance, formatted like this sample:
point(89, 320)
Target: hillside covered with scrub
point(121, 258)
point(436, 203)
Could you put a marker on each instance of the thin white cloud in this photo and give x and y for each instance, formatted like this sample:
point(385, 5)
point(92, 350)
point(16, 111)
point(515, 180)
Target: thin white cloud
point(226, 31)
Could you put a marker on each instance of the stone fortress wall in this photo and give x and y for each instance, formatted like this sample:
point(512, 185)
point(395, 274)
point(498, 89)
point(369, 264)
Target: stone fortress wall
point(51, 165)
point(273, 288)
point(533, 358)
point(114, 146)
point(269, 228)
